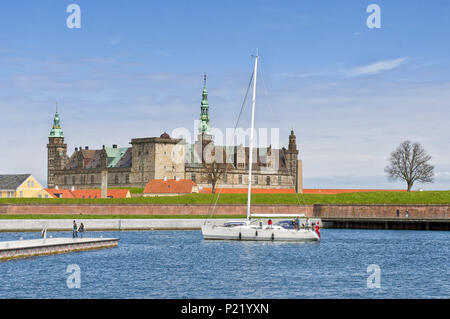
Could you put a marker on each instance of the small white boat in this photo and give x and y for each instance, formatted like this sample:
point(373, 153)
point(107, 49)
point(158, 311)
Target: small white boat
point(254, 230)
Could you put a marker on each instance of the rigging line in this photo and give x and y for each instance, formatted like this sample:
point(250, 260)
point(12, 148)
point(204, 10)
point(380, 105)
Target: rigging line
point(283, 155)
point(234, 133)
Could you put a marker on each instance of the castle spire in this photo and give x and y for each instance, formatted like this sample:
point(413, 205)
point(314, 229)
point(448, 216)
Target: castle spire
point(56, 128)
point(204, 110)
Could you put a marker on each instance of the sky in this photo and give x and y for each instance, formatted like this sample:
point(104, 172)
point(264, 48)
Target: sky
point(352, 94)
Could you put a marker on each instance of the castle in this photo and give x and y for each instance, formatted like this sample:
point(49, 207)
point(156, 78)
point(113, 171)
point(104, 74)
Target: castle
point(154, 158)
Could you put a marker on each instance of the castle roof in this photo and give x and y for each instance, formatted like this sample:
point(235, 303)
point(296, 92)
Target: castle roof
point(56, 128)
point(115, 158)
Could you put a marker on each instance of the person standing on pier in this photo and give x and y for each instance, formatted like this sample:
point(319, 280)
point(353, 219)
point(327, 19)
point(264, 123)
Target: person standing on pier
point(398, 212)
point(407, 214)
point(74, 230)
point(81, 230)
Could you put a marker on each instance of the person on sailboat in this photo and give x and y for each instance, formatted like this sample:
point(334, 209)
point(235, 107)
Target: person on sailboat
point(317, 229)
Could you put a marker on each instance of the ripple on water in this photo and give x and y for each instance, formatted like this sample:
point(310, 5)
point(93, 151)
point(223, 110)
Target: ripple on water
point(180, 264)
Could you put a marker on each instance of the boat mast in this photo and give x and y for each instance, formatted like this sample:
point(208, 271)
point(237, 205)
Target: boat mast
point(251, 138)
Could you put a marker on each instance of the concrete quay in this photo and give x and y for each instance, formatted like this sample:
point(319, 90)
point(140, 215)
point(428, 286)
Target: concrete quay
point(50, 246)
point(18, 225)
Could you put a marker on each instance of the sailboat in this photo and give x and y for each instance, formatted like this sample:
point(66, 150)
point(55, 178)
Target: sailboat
point(250, 229)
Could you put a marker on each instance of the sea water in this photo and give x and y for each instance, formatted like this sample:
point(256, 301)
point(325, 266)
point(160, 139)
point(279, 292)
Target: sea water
point(180, 264)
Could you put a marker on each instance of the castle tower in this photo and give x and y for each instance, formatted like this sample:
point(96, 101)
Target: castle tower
point(56, 151)
point(205, 127)
point(204, 136)
point(294, 165)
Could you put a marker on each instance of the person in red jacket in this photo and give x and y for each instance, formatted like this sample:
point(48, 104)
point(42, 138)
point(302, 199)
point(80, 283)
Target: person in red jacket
point(270, 223)
point(317, 229)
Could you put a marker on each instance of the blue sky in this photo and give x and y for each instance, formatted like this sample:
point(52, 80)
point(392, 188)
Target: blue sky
point(351, 93)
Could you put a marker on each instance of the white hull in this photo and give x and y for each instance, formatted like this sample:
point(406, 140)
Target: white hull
point(257, 234)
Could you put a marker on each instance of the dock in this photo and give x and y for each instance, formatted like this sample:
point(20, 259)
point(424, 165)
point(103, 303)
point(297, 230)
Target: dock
point(50, 246)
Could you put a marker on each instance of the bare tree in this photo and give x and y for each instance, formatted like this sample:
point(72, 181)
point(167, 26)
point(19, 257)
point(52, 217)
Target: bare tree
point(214, 171)
point(214, 165)
point(410, 162)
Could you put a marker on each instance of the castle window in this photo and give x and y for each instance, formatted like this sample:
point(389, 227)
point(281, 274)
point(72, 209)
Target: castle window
point(279, 179)
point(116, 179)
point(193, 178)
point(267, 180)
point(73, 179)
point(240, 179)
point(92, 179)
point(255, 179)
point(127, 178)
point(65, 180)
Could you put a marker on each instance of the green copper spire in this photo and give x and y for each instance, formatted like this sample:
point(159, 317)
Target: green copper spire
point(205, 127)
point(56, 128)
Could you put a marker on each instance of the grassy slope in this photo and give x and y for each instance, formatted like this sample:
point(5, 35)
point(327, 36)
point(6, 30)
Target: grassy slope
point(428, 197)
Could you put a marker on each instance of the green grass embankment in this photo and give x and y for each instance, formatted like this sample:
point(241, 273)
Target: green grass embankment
point(426, 197)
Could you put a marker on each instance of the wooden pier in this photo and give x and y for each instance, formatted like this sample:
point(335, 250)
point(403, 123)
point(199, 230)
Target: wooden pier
point(50, 246)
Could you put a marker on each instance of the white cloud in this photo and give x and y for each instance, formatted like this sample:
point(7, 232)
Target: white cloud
point(376, 67)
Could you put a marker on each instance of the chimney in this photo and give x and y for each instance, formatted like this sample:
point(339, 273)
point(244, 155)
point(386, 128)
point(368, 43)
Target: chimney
point(76, 149)
point(86, 147)
point(114, 145)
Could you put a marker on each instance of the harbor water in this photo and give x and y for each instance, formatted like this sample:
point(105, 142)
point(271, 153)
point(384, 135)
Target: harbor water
point(347, 263)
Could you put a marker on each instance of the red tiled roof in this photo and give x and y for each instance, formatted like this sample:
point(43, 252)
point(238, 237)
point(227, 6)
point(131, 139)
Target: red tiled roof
point(340, 191)
point(87, 193)
point(97, 193)
point(63, 193)
point(170, 186)
point(245, 190)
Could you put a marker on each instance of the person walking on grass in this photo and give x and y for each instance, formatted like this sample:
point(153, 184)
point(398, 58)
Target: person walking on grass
point(74, 230)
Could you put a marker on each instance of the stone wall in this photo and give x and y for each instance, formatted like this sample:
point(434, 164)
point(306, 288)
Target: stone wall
point(162, 209)
point(382, 211)
point(435, 212)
